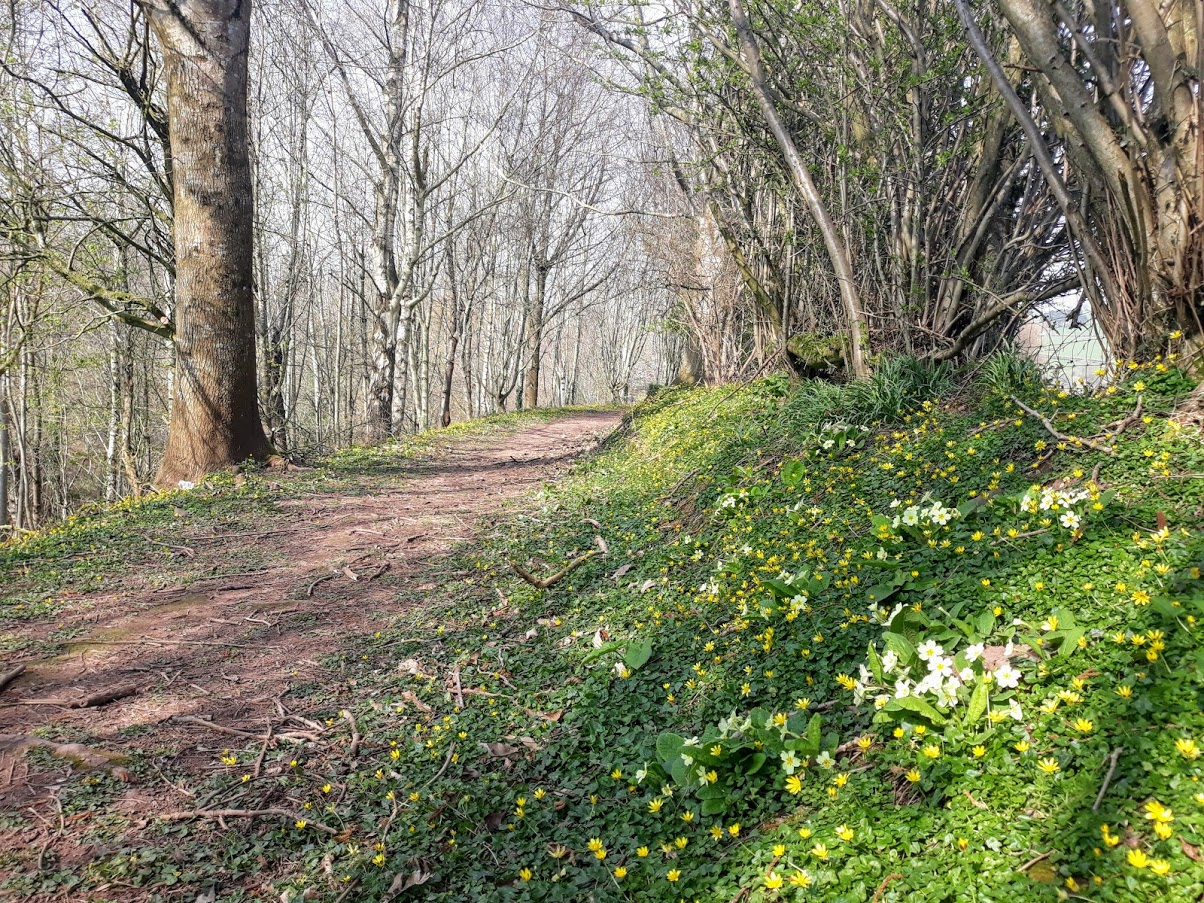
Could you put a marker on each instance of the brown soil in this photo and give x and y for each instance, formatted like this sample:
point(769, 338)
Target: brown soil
point(229, 650)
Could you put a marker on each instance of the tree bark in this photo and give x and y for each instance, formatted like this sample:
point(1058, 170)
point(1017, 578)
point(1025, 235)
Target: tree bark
point(800, 175)
point(215, 418)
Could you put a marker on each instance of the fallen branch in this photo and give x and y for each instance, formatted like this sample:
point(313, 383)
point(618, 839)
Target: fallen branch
point(1112, 759)
point(459, 689)
point(290, 736)
point(104, 697)
point(1061, 437)
point(322, 579)
point(75, 753)
point(247, 813)
point(885, 882)
point(12, 675)
point(549, 582)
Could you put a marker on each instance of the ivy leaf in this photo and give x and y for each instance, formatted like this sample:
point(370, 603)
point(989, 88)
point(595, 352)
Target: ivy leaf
point(638, 653)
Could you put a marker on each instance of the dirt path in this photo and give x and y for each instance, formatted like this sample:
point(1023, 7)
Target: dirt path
point(230, 649)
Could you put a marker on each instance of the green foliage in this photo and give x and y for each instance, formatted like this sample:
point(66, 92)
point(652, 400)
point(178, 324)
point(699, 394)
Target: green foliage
point(898, 386)
point(646, 729)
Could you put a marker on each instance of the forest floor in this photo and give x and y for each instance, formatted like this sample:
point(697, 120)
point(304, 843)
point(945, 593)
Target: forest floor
point(199, 645)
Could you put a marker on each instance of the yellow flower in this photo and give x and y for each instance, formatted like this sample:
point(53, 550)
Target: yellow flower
point(1048, 765)
point(804, 833)
point(680, 843)
point(773, 881)
point(378, 859)
point(301, 823)
point(525, 874)
point(1137, 859)
point(1163, 830)
point(1187, 748)
point(914, 776)
point(793, 785)
point(1021, 747)
point(864, 742)
point(1124, 691)
point(734, 829)
point(642, 852)
point(595, 844)
point(616, 774)
point(801, 879)
point(1157, 812)
point(655, 805)
point(844, 832)
point(932, 751)
point(979, 751)
point(674, 874)
point(963, 844)
point(1160, 867)
point(1083, 724)
point(620, 873)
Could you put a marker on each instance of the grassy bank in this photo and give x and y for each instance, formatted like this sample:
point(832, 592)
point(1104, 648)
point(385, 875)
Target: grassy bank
point(732, 697)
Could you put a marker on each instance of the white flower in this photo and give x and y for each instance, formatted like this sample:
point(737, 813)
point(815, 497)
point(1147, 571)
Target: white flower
point(941, 666)
point(1070, 520)
point(187, 484)
point(929, 650)
point(966, 675)
point(881, 701)
point(947, 695)
point(889, 660)
point(825, 760)
point(1015, 711)
point(790, 762)
point(911, 516)
point(902, 688)
point(974, 652)
point(895, 503)
point(622, 670)
point(641, 774)
point(1007, 676)
point(828, 444)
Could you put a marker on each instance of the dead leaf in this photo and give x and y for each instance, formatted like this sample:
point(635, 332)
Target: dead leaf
point(647, 585)
point(601, 636)
point(623, 569)
point(530, 635)
point(500, 750)
point(350, 574)
point(593, 523)
point(409, 666)
point(565, 640)
point(1191, 852)
point(402, 882)
point(529, 743)
point(601, 543)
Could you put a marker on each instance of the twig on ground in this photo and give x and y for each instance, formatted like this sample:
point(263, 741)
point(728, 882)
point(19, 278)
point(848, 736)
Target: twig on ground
point(313, 586)
point(459, 689)
point(1113, 757)
point(1073, 441)
point(247, 813)
point(1028, 865)
point(895, 876)
point(354, 750)
point(442, 768)
point(267, 738)
point(549, 582)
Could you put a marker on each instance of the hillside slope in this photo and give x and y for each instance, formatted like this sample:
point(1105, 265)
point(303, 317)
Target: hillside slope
point(922, 638)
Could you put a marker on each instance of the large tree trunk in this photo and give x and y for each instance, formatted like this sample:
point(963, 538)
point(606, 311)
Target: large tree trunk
point(214, 418)
point(533, 339)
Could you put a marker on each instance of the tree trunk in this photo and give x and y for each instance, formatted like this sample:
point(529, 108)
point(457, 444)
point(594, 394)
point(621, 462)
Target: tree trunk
point(215, 418)
point(838, 251)
point(533, 339)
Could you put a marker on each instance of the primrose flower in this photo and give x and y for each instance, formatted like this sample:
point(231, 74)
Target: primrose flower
point(929, 649)
point(790, 762)
point(1007, 676)
point(974, 652)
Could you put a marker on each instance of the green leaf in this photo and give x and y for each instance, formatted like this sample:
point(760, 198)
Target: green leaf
point(668, 746)
point(875, 663)
point(880, 593)
point(714, 807)
point(900, 646)
point(812, 736)
point(1070, 640)
point(918, 707)
point(978, 703)
point(985, 623)
point(793, 472)
point(638, 653)
point(755, 763)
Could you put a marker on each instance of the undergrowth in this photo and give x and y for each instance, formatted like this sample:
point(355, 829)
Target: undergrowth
point(887, 642)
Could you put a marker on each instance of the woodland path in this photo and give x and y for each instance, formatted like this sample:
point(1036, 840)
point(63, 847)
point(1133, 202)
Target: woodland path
point(229, 650)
